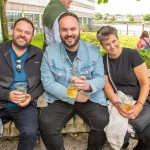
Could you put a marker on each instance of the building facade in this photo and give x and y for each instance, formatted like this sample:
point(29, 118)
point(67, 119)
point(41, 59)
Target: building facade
point(33, 10)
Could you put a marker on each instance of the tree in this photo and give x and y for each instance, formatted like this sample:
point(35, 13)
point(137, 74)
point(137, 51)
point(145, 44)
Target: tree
point(98, 16)
point(113, 18)
point(3, 19)
point(131, 18)
point(146, 17)
point(104, 1)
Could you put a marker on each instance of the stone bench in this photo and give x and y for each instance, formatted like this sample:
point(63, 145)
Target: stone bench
point(75, 125)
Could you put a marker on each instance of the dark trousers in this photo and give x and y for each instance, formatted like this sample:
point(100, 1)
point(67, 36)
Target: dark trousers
point(144, 139)
point(26, 121)
point(54, 117)
point(141, 125)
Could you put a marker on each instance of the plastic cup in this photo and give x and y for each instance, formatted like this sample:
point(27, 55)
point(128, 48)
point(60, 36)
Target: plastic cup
point(127, 102)
point(72, 91)
point(21, 87)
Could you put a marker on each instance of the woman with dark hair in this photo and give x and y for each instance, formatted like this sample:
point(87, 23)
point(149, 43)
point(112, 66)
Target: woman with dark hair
point(144, 42)
point(129, 73)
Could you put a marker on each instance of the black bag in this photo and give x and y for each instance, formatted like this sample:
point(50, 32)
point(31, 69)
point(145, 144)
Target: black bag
point(143, 119)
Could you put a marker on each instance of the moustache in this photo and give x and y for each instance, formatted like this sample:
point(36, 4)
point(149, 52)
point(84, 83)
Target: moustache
point(22, 37)
point(69, 36)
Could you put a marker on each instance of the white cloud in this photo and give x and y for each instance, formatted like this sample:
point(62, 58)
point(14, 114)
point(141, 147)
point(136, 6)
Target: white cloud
point(132, 7)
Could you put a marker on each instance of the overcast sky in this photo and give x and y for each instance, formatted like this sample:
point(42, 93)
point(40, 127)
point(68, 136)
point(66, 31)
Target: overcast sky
point(132, 7)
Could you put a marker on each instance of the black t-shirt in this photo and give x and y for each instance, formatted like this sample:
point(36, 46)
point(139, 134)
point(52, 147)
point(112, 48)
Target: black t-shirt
point(71, 55)
point(122, 73)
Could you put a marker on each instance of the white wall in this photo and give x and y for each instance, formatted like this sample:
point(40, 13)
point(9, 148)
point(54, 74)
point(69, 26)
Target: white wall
point(45, 2)
point(81, 9)
point(85, 2)
point(31, 2)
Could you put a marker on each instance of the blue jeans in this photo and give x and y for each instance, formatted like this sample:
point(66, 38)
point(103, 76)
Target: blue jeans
point(26, 121)
point(54, 117)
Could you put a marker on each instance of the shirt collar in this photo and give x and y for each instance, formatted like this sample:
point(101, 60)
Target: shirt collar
point(79, 53)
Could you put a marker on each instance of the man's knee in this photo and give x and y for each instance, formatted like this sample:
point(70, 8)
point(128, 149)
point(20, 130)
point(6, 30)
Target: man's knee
point(102, 120)
point(28, 133)
point(48, 123)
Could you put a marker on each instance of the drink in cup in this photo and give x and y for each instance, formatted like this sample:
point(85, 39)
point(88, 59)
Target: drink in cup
point(72, 91)
point(21, 87)
point(127, 103)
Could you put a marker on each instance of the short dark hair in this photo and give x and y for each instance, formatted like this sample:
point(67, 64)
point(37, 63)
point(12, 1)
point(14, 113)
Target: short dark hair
point(26, 20)
point(68, 14)
point(104, 32)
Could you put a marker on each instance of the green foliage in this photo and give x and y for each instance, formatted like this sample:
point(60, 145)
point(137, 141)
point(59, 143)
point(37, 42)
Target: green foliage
point(90, 37)
point(146, 56)
point(125, 41)
point(102, 1)
point(146, 17)
point(128, 41)
point(38, 40)
point(113, 18)
point(98, 16)
point(105, 1)
point(131, 18)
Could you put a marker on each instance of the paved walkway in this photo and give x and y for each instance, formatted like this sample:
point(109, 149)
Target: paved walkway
point(71, 142)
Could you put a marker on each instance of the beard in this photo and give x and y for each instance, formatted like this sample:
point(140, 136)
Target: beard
point(21, 45)
point(74, 43)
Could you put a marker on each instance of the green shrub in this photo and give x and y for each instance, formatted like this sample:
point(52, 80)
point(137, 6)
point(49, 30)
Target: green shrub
point(125, 40)
point(38, 40)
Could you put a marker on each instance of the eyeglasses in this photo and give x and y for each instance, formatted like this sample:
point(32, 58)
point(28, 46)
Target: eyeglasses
point(18, 66)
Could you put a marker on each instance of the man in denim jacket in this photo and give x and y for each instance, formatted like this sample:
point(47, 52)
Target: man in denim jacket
point(78, 62)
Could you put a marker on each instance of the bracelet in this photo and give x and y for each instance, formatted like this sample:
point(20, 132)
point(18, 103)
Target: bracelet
point(116, 103)
point(141, 103)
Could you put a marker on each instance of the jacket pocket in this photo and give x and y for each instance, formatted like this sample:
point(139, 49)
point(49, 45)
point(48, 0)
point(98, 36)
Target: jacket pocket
point(87, 71)
point(60, 75)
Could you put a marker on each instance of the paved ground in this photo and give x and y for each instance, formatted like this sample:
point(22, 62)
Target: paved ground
point(71, 142)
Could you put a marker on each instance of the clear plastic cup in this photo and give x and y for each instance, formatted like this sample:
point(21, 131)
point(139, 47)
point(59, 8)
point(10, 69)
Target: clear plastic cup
point(127, 102)
point(21, 87)
point(72, 91)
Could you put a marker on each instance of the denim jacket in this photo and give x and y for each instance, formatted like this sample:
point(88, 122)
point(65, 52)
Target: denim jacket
point(56, 71)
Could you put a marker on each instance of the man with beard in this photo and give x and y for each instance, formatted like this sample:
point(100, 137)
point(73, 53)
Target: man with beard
point(80, 63)
point(50, 20)
point(20, 63)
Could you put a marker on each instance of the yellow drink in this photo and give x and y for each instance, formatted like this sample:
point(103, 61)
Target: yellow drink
point(127, 107)
point(72, 91)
